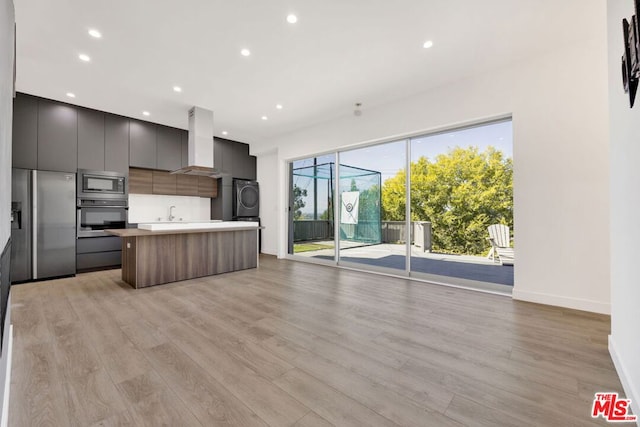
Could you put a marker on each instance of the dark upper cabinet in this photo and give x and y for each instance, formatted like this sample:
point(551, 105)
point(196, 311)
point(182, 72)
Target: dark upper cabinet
point(184, 139)
point(90, 139)
point(25, 132)
point(169, 148)
point(251, 165)
point(233, 158)
point(142, 144)
point(217, 154)
point(237, 163)
point(57, 136)
point(226, 161)
point(116, 144)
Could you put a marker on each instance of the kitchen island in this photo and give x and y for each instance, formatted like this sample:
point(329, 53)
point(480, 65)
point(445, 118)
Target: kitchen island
point(165, 253)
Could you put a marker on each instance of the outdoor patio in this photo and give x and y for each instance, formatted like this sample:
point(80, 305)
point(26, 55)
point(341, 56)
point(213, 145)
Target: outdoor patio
point(388, 255)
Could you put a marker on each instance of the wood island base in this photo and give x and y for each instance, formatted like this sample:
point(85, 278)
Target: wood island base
point(154, 258)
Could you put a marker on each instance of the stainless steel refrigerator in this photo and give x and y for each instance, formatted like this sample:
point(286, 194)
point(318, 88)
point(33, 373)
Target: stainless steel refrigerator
point(43, 224)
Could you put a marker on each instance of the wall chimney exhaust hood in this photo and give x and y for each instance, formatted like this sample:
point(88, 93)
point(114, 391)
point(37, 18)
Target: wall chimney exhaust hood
point(200, 147)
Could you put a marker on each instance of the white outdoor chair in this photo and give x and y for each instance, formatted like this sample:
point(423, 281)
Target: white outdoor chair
point(501, 249)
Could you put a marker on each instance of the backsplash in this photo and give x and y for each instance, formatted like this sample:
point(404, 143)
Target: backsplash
point(152, 208)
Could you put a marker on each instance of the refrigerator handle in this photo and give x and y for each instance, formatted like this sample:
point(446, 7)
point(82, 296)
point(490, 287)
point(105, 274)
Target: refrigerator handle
point(34, 223)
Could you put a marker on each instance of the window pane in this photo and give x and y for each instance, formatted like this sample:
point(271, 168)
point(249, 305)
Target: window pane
point(462, 183)
point(311, 232)
point(372, 198)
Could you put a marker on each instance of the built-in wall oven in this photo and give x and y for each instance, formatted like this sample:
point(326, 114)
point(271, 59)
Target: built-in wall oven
point(95, 216)
point(102, 202)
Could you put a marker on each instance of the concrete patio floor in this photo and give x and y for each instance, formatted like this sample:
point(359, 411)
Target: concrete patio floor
point(463, 270)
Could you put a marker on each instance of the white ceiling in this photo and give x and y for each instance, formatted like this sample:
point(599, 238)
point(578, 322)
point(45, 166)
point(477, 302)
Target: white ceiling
point(340, 52)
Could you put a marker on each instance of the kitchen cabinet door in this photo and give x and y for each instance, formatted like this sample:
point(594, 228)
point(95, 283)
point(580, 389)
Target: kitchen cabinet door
point(90, 139)
point(240, 159)
point(217, 154)
point(164, 183)
point(169, 149)
point(140, 181)
point(207, 187)
point(25, 132)
point(142, 144)
point(184, 137)
point(116, 144)
point(226, 163)
point(57, 136)
point(187, 185)
point(251, 168)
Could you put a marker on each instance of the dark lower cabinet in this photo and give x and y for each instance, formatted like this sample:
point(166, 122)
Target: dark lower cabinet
point(98, 253)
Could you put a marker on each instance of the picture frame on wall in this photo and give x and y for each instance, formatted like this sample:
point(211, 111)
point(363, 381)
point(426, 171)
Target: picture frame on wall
point(631, 56)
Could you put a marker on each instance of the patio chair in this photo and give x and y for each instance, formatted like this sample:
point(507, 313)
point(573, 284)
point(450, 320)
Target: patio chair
point(501, 249)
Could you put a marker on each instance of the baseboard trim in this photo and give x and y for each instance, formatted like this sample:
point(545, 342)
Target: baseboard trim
point(560, 301)
point(630, 389)
point(4, 422)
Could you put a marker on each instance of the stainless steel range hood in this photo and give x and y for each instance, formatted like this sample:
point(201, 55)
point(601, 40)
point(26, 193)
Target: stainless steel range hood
point(200, 148)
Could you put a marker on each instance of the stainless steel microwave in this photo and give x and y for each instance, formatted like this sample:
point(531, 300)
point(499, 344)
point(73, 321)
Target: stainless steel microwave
point(101, 185)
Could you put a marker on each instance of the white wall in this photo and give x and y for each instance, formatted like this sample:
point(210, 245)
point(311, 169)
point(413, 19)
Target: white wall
point(559, 107)
point(7, 19)
point(151, 208)
point(6, 115)
point(624, 342)
point(268, 179)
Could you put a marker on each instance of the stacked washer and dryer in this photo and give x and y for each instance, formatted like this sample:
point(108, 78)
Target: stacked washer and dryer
point(246, 202)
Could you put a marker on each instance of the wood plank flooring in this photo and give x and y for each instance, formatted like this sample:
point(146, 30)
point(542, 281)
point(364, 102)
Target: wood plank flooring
point(295, 344)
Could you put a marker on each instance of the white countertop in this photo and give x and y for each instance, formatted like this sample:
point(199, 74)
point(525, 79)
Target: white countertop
point(200, 225)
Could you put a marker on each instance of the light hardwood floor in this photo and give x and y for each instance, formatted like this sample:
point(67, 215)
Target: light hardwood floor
point(298, 344)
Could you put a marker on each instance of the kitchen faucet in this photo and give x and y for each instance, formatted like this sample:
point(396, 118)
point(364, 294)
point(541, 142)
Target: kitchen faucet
point(171, 215)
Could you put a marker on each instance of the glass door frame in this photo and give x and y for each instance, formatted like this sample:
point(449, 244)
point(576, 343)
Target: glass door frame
point(401, 273)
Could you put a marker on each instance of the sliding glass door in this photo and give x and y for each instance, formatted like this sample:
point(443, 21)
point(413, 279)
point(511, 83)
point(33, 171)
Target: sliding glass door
point(372, 228)
point(311, 207)
point(461, 184)
point(424, 207)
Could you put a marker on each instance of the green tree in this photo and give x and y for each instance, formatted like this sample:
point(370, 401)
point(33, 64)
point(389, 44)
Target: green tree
point(461, 193)
point(298, 201)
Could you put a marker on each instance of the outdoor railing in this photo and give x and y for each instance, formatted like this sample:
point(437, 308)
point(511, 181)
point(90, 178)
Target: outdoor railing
point(391, 231)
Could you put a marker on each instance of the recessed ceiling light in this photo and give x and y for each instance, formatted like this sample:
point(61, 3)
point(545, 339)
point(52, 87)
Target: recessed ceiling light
point(279, 106)
point(71, 95)
point(224, 132)
point(427, 44)
point(146, 113)
point(245, 52)
point(95, 33)
point(265, 118)
point(177, 89)
point(84, 57)
point(292, 19)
